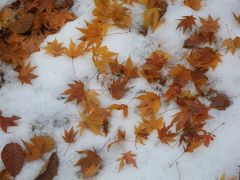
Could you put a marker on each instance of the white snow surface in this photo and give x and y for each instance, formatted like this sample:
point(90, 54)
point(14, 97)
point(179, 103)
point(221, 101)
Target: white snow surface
point(43, 111)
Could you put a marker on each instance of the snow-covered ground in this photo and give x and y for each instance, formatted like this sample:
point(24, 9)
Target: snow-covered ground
point(43, 111)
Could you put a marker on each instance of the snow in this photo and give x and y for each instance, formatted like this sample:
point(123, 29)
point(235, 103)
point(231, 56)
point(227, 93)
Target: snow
point(43, 111)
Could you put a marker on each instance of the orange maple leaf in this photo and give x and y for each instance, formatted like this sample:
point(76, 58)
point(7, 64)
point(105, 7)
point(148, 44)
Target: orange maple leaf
point(54, 48)
point(89, 164)
point(69, 136)
point(187, 22)
point(26, 75)
point(75, 92)
point(127, 158)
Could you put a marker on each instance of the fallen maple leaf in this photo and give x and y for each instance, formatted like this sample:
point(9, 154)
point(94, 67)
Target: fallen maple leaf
point(204, 58)
point(50, 169)
point(194, 4)
point(89, 164)
point(95, 120)
point(13, 158)
point(154, 64)
point(187, 22)
point(209, 25)
point(231, 44)
point(74, 51)
point(54, 48)
point(39, 146)
point(94, 32)
point(118, 88)
point(127, 158)
point(26, 75)
point(69, 136)
point(6, 122)
point(153, 14)
point(166, 135)
point(149, 106)
point(220, 101)
point(75, 92)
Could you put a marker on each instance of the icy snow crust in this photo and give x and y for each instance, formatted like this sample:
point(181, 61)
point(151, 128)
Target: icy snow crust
point(43, 111)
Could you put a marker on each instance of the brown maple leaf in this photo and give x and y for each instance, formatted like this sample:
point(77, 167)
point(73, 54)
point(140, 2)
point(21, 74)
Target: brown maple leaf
point(187, 22)
point(199, 38)
point(127, 158)
point(75, 92)
point(154, 64)
point(194, 4)
point(166, 136)
point(74, 51)
point(94, 32)
point(39, 146)
point(231, 44)
point(89, 164)
point(54, 48)
point(70, 136)
point(6, 122)
point(95, 120)
point(204, 58)
point(118, 88)
point(150, 104)
point(26, 75)
point(220, 101)
point(209, 25)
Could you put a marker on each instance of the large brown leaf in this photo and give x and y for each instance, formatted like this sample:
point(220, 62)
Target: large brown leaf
point(13, 158)
point(50, 169)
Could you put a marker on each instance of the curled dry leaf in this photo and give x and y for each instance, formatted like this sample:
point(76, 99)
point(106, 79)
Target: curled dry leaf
point(70, 136)
point(50, 169)
point(13, 158)
point(122, 107)
point(54, 48)
point(6, 122)
point(39, 146)
point(194, 4)
point(127, 158)
point(89, 164)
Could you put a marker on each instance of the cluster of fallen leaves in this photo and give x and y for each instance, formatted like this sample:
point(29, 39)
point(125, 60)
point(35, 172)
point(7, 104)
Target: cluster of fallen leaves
point(187, 126)
point(14, 158)
point(24, 25)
